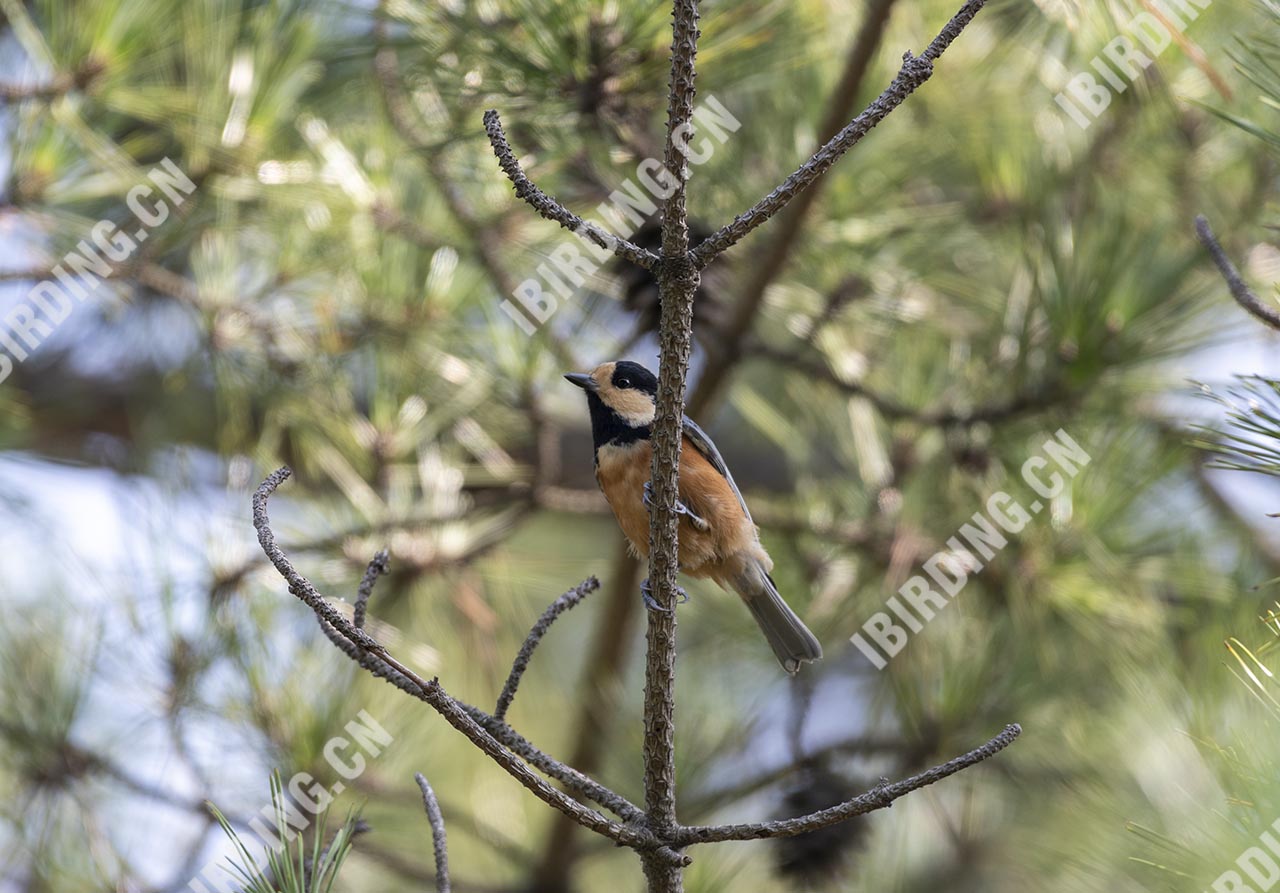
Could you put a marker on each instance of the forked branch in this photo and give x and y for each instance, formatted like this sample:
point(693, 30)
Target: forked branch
point(653, 832)
point(364, 650)
point(660, 846)
point(550, 208)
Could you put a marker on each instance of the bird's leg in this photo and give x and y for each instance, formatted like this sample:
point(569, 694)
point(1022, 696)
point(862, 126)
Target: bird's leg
point(699, 522)
point(646, 593)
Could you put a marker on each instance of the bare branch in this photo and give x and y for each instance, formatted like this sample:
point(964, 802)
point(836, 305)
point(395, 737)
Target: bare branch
point(879, 797)
point(298, 584)
point(655, 833)
point(726, 350)
point(369, 654)
point(1239, 288)
point(564, 603)
point(377, 567)
point(548, 207)
point(678, 280)
point(438, 840)
point(915, 71)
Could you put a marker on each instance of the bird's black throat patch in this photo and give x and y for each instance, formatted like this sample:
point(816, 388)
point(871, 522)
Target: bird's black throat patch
point(607, 427)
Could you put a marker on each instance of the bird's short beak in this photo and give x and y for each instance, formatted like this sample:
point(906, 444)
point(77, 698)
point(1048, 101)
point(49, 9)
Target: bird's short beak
point(582, 380)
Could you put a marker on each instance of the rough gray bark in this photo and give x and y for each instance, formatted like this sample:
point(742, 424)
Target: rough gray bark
point(678, 279)
point(439, 841)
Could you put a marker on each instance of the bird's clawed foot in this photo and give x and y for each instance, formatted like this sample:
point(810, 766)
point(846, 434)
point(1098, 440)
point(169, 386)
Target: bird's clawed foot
point(646, 593)
point(699, 522)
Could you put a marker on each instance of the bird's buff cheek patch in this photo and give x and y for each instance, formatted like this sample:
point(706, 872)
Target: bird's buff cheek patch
point(634, 407)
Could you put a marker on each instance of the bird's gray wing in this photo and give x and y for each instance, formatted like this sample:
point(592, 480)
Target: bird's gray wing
point(703, 444)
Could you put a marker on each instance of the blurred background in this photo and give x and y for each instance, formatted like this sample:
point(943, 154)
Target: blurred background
point(979, 273)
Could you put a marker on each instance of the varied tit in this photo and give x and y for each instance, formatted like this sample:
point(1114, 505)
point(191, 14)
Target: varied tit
point(718, 539)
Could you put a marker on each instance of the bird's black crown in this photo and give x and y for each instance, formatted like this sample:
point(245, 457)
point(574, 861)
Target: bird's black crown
point(632, 376)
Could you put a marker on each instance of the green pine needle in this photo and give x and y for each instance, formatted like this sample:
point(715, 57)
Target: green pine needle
point(297, 867)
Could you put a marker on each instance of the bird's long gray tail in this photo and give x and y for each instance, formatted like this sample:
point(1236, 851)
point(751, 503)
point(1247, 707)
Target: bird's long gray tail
point(792, 642)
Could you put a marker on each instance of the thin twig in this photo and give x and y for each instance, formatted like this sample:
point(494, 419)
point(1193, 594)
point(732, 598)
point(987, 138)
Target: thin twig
point(879, 797)
point(570, 777)
point(438, 840)
point(548, 207)
point(298, 584)
point(599, 685)
point(1239, 288)
point(377, 567)
point(461, 817)
point(564, 603)
point(725, 351)
point(915, 71)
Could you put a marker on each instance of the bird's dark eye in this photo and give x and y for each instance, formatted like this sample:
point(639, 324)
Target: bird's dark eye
point(623, 382)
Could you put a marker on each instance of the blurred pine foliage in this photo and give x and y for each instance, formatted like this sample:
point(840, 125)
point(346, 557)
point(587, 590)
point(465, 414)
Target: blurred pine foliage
point(978, 274)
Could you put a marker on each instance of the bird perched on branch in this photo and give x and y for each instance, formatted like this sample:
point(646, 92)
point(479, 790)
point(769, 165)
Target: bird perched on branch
point(717, 537)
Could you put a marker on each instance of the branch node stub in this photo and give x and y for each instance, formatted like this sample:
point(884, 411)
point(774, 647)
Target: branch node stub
point(916, 69)
point(681, 271)
point(884, 798)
